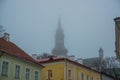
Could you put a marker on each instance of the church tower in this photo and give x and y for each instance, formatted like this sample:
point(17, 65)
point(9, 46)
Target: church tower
point(100, 59)
point(101, 53)
point(59, 49)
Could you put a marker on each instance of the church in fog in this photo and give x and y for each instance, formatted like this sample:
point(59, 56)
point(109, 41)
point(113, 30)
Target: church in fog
point(59, 49)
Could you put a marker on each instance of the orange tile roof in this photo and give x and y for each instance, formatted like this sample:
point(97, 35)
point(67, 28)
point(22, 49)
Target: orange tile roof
point(13, 50)
point(47, 59)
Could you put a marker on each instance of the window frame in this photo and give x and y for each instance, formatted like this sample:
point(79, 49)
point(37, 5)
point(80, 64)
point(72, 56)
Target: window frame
point(47, 74)
point(82, 76)
point(92, 78)
point(35, 75)
point(70, 74)
point(87, 77)
point(15, 71)
point(27, 73)
point(2, 68)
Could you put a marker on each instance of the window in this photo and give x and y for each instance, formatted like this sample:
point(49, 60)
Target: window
point(69, 74)
point(17, 71)
point(27, 77)
point(97, 78)
point(49, 74)
point(82, 76)
point(87, 77)
point(92, 78)
point(36, 75)
point(5, 66)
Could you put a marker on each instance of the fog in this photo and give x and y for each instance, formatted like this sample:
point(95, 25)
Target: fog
point(87, 24)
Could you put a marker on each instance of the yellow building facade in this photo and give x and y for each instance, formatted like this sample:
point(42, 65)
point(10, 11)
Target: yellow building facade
point(65, 69)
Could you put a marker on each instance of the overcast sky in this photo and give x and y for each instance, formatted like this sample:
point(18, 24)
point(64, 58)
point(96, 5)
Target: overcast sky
point(88, 25)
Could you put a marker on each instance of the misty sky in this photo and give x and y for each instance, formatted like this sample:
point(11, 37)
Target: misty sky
point(88, 24)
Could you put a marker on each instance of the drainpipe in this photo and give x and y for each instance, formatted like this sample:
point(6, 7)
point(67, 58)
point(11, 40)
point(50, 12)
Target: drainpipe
point(65, 72)
point(100, 75)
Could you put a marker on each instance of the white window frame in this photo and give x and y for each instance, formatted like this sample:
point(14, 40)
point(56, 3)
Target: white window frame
point(47, 74)
point(27, 73)
point(71, 74)
point(15, 72)
point(92, 78)
point(82, 76)
point(8, 68)
point(87, 77)
point(35, 75)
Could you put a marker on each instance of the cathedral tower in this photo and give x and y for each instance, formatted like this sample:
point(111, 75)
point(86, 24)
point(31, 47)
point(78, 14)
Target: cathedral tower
point(100, 58)
point(59, 49)
point(101, 53)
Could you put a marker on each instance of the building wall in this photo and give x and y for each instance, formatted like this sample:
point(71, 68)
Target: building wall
point(57, 70)
point(77, 71)
point(23, 65)
point(60, 71)
point(117, 32)
point(117, 38)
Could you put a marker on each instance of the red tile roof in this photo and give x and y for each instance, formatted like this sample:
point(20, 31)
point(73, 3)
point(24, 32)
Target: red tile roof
point(13, 50)
point(55, 59)
point(47, 59)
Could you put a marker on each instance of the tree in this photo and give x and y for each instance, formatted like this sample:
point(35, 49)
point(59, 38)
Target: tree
point(44, 55)
point(112, 67)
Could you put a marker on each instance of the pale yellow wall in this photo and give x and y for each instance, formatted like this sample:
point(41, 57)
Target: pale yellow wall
point(59, 68)
point(23, 65)
point(77, 70)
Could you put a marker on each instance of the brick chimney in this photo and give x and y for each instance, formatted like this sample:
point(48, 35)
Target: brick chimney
point(6, 36)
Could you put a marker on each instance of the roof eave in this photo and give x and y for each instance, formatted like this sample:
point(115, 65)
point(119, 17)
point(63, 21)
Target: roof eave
point(61, 59)
point(26, 60)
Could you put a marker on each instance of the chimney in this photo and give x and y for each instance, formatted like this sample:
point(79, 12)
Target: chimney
point(6, 36)
point(34, 56)
point(80, 60)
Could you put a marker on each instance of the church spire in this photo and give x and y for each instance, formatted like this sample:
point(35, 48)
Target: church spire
point(59, 29)
point(101, 50)
point(101, 53)
point(59, 49)
point(59, 23)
